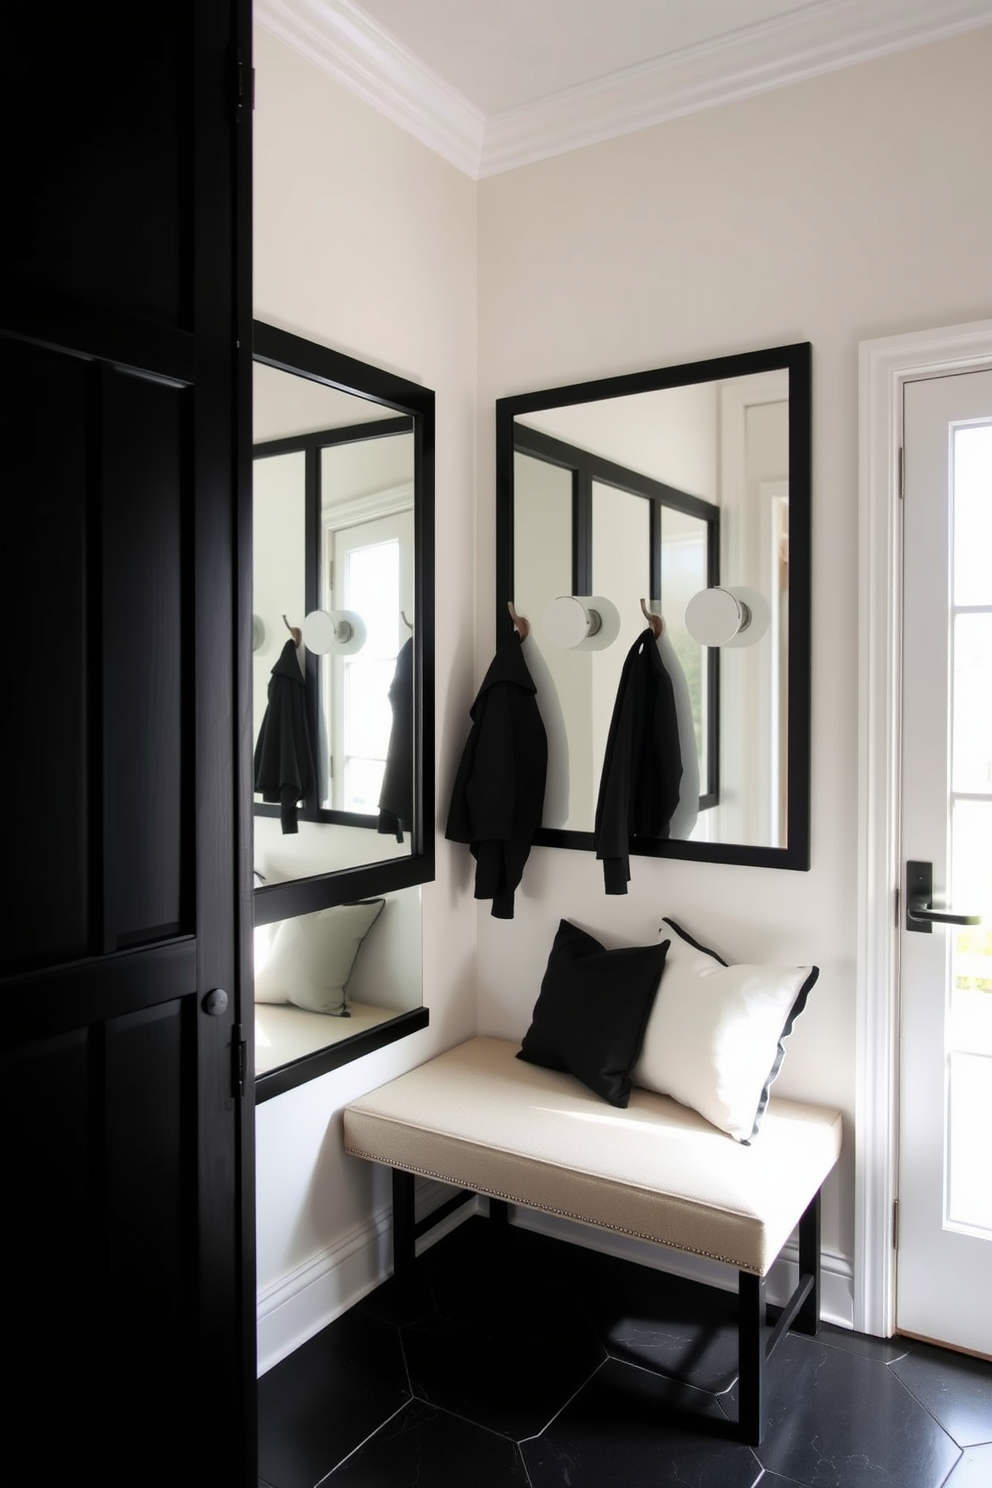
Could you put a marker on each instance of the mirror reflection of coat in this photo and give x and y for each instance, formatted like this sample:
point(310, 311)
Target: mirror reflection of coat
point(642, 766)
point(284, 772)
point(396, 795)
point(498, 796)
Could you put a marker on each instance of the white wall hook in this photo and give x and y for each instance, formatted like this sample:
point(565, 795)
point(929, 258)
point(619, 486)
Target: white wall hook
point(731, 616)
point(581, 622)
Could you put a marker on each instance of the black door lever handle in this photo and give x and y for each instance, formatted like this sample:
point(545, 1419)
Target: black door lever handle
point(920, 910)
point(920, 913)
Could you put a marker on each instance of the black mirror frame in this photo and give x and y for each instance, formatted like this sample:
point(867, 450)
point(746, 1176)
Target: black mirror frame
point(289, 353)
point(797, 360)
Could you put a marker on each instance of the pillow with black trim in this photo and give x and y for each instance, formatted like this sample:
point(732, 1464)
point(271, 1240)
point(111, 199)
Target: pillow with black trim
point(714, 1037)
point(593, 1006)
point(311, 957)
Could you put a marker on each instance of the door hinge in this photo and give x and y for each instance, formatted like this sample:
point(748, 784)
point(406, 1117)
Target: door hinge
point(239, 1062)
point(902, 474)
point(895, 1224)
point(243, 86)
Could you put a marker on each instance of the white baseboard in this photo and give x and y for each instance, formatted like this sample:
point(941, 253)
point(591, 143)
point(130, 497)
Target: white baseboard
point(297, 1306)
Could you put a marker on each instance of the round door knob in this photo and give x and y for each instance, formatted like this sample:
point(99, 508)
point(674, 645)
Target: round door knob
point(215, 1002)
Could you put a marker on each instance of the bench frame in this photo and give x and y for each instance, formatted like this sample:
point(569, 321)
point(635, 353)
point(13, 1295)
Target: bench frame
point(756, 1342)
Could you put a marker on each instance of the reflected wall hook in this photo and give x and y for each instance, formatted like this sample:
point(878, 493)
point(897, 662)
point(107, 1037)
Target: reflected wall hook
point(520, 625)
point(731, 616)
point(341, 631)
point(655, 622)
point(294, 631)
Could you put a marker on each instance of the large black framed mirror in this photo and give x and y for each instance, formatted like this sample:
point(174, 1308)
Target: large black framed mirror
point(342, 703)
point(687, 486)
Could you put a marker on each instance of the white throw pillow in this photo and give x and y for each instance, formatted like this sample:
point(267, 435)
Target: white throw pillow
point(263, 944)
point(714, 1036)
point(311, 957)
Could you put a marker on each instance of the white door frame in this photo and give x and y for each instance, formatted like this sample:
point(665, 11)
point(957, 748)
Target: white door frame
point(885, 365)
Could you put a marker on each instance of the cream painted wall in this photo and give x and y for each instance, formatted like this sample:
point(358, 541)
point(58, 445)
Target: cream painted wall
point(366, 241)
point(854, 205)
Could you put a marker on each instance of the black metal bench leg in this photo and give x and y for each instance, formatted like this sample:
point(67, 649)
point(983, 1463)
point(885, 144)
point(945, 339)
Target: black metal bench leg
point(499, 1213)
point(404, 1233)
point(808, 1316)
point(751, 1356)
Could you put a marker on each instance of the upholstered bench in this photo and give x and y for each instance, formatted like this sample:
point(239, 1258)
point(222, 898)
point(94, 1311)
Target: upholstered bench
point(481, 1119)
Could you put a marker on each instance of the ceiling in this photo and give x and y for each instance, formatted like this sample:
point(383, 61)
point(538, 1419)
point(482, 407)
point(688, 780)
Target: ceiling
point(494, 84)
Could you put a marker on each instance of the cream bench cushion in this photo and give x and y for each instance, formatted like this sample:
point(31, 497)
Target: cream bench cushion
point(479, 1118)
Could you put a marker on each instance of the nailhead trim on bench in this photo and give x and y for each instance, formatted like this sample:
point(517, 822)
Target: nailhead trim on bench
point(491, 1193)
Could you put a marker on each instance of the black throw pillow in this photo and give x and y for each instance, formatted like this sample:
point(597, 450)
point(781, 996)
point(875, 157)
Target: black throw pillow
point(590, 1017)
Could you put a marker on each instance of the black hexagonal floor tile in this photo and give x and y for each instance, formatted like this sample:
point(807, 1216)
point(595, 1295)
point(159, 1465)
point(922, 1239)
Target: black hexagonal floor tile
point(323, 1400)
point(663, 1322)
point(510, 1368)
point(956, 1390)
point(837, 1420)
point(421, 1447)
point(629, 1428)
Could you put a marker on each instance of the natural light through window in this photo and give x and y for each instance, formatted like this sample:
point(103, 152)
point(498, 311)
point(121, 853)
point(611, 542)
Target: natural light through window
point(969, 1051)
point(371, 588)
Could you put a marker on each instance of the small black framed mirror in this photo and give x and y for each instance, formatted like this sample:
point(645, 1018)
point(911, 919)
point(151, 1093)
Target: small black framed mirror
point(688, 487)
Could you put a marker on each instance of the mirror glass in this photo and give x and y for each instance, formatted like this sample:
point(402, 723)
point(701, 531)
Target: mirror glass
point(333, 979)
point(338, 551)
point(666, 486)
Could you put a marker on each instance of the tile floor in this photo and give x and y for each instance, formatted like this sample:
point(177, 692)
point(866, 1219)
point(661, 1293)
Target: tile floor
point(545, 1365)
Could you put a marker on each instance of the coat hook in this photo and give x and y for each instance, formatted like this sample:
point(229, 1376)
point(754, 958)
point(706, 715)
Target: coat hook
point(656, 623)
point(406, 622)
point(294, 631)
point(520, 625)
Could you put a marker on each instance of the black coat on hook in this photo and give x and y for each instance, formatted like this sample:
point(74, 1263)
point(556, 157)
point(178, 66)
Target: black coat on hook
point(284, 770)
point(642, 766)
point(498, 797)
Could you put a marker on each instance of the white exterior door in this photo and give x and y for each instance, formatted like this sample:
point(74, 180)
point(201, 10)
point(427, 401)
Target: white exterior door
point(944, 1259)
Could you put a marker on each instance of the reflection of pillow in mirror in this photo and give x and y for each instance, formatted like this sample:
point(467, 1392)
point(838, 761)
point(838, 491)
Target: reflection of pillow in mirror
point(311, 957)
point(263, 945)
point(714, 1037)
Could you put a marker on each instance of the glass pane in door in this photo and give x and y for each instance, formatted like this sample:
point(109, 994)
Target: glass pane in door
point(968, 1193)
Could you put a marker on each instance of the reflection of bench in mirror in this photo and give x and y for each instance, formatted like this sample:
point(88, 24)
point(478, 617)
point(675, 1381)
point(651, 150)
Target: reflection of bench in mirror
point(328, 976)
point(284, 1034)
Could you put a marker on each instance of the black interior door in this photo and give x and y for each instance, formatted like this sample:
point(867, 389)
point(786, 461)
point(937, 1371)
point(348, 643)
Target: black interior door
point(128, 1334)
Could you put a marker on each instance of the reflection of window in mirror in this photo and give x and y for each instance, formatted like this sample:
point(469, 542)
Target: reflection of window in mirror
point(368, 569)
point(586, 524)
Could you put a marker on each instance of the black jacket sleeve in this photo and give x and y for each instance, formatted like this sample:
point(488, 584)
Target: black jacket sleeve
point(283, 761)
point(498, 795)
point(642, 765)
point(396, 796)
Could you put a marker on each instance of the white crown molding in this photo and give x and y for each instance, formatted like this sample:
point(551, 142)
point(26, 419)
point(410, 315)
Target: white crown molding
point(342, 40)
point(337, 36)
point(823, 38)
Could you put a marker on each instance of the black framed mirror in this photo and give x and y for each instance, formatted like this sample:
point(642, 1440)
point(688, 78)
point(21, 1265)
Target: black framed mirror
point(687, 486)
point(342, 703)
